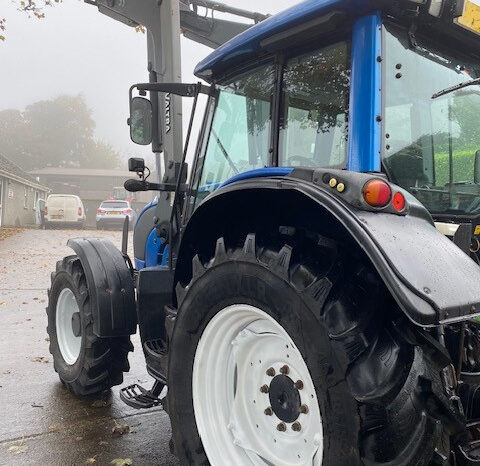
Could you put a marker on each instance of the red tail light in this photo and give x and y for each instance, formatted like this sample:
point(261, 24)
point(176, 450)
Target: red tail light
point(127, 211)
point(79, 211)
point(398, 202)
point(100, 211)
point(377, 193)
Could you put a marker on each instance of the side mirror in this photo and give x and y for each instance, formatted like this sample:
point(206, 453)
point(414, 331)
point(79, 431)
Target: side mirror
point(140, 121)
point(136, 165)
point(476, 168)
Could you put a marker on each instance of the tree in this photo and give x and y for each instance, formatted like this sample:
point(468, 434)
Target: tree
point(57, 132)
point(34, 8)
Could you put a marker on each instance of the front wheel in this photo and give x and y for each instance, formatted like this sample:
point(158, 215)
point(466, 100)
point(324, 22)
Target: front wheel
point(85, 363)
point(294, 359)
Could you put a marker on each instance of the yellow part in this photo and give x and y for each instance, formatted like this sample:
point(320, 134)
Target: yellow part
point(477, 230)
point(340, 187)
point(471, 17)
point(333, 183)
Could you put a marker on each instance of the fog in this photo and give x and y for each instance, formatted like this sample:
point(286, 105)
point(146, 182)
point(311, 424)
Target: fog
point(76, 50)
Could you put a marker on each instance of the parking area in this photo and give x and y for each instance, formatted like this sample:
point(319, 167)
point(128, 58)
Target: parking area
point(42, 423)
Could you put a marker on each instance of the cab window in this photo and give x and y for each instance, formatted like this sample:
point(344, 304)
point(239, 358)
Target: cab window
point(313, 126)
point(239, 137)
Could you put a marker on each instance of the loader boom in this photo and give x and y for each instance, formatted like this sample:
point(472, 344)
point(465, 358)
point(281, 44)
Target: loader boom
point(164, 21)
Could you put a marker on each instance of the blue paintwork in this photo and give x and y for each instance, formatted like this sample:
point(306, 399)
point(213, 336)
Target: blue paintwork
point(165, 256)
point(153, 243)
point(246, 46)
point(258, 173)
point(365, 132)
point(139, 264)
point(152, 249)
point(148, 206)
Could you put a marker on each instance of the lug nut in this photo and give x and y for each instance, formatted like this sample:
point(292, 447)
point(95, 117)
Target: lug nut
point(271, 372)
point(268, 411)
point(304, 409)
point(299, 385)
point(282, 427)
point(264, 388)
point(285, 370)
point(296, 427)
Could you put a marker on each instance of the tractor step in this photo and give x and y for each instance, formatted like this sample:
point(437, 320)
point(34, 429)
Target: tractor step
point(468, 450)
point(138, 397)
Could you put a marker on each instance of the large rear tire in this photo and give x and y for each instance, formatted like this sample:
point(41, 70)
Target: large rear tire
point(369, 392)
point(85, 363)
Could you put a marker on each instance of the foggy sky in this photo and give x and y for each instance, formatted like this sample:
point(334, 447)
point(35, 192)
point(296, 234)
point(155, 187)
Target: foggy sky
point(77, 50)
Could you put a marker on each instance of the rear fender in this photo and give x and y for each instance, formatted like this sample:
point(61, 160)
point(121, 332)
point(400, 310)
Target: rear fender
point(110, 285)
point(430, 278)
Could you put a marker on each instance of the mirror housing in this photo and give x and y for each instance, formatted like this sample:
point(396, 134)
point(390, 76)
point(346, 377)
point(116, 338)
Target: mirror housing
point(476, 168)
point(141, 121)
point(136, 164)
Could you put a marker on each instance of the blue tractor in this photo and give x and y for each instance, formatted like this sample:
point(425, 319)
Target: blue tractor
point(307, 289)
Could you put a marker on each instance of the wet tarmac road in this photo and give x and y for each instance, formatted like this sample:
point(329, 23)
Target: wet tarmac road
point(40, 422)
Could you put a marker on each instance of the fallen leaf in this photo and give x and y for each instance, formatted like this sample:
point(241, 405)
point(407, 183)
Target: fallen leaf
point(122, 462)
point(101, 403)
point(40, 359)
point(120, 429)
point(3, 303)
point(102, 443)
point(91, 460)
point(18, 448)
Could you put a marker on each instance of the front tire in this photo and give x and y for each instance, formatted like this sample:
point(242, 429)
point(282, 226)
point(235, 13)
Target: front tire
point(85, 363)
point(361, 397)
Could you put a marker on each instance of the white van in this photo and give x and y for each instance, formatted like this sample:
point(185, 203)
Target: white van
point(64, 210)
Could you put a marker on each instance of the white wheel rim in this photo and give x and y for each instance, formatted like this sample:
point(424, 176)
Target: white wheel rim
point(237, 348)
point(68, 342)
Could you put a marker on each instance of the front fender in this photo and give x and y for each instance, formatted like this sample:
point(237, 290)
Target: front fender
point(110, 286)
point(430, 278)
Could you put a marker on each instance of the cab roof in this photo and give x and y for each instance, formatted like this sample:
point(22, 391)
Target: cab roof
point(304, 21)
point(249, 43)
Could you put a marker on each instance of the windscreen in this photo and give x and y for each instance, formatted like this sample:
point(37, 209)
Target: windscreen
point(430, 144)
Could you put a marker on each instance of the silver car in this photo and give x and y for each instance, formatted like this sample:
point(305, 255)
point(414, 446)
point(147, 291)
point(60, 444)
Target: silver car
point(112, 214)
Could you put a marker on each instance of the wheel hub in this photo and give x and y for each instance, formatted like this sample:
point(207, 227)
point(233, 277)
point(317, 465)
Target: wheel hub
point(263, 405)
point(76, 325)
point(284, 398)
point(68, 326)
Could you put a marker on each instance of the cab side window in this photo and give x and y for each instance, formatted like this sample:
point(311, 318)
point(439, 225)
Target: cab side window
point(313, 126)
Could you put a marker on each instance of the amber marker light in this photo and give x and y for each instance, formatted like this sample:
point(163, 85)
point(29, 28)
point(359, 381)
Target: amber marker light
point(377, 193)
point(398, 202)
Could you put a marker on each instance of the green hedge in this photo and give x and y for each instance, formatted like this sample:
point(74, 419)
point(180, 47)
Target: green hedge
point(463, 165)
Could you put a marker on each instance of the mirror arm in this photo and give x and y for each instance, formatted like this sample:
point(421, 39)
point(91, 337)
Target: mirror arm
point(134, 186)
point(180, 89)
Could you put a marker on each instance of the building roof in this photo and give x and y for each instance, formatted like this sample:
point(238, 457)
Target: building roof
point(80, 172)
point(12, 170)
point(248, 44)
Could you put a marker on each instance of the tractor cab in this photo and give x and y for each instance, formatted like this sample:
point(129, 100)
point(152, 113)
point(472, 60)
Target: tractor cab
point(353, 87)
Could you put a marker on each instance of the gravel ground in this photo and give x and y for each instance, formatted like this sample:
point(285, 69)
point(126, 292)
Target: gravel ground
point(41, 423)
